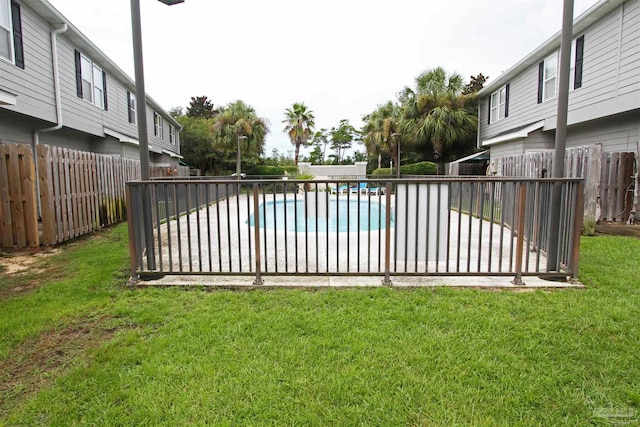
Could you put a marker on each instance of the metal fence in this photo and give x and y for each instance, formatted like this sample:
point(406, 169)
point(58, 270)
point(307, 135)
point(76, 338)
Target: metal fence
point(384, 227)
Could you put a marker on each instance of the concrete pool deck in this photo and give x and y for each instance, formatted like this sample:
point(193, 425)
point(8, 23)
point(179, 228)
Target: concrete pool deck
point(344, 282)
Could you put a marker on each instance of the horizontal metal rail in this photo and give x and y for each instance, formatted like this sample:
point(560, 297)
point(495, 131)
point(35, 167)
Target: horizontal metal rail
point(347, 226)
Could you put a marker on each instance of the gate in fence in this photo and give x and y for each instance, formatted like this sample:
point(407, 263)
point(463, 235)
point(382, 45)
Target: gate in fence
point(393, 227)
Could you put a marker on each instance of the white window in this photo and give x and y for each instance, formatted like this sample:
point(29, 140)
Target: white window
point(499, 107)
point(87, 78)
point(93, 83)
point(172, 134)
point(131, 102)
point(549, 79)
point(6, 31)
point(158, 124)
point(98, 87)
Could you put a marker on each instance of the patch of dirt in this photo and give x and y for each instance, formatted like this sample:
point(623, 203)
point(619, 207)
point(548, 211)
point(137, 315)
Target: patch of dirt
point(17, 263)
point(38, 362)
point(23, 273)
point(619, 229)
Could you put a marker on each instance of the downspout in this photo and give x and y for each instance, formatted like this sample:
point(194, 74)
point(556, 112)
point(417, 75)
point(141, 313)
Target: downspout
point(56, 88)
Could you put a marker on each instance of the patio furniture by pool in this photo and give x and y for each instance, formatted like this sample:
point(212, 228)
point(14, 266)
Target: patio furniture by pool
point(343, 189)
point(360, 188)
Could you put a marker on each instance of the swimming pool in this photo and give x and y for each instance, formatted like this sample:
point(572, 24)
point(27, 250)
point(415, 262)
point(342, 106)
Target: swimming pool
point(332, 215)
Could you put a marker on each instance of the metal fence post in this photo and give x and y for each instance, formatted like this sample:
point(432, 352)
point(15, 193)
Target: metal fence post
point(577, 232)
point(133, 249)
point(387, 236)
point(256, 225)
point(522, 200)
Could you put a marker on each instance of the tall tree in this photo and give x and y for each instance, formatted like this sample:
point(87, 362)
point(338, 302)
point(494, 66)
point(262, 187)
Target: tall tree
point(377, 131)
point(342, 138)
point(238, 119)
point(320, 140)
point(436, 112)
point(198, 147)
point(475, 84)
point(299, 123)
point(201, 107)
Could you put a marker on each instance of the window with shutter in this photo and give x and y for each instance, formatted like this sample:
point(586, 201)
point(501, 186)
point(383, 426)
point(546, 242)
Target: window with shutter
point(91, 81)
point(578, 58)
point(499, 104)
point(6, 31)
point(16, 19)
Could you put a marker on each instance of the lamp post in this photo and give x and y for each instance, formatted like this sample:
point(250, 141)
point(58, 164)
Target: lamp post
point(397, 135)
point(143, 139)
point(240, 138)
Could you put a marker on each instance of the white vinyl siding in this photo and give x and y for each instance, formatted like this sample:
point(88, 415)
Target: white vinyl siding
point(550, 77)
point(6, 31)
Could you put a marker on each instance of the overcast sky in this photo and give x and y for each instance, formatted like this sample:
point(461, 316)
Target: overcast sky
point(341, 58)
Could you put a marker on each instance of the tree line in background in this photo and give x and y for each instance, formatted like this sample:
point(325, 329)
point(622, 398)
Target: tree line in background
point(436, 120)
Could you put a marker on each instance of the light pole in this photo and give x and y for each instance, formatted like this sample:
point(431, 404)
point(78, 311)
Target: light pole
point(143, 139)
point(397, 135)
point(240, 138)
point(141, 99)
point(561, 135)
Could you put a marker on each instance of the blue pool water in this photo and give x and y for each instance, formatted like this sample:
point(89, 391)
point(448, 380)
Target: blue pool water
point(341, 215)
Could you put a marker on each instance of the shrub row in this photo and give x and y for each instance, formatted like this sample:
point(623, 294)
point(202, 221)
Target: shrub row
point(420, 168)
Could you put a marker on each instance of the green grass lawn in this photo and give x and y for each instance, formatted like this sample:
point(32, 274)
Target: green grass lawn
point(78, 347)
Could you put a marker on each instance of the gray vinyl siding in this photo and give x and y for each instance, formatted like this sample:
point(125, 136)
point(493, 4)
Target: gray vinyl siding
point(70, 139)
point(610, 79)
point(629, 71)
point(17, 128)
point(619, 133)
point(34, 83)
point(512, 148)
point(131, 151)
point(536, 141)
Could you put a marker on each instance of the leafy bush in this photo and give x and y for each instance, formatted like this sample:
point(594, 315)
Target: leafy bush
point(381, 172)
point(266, 170)
point(420, 168)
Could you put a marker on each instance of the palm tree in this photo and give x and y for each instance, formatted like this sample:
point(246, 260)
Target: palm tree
point(299, 122)
point(377, 131)
point(237, 120)
point(435, 112)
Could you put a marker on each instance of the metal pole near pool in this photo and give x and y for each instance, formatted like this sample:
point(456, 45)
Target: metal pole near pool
point(561, 135)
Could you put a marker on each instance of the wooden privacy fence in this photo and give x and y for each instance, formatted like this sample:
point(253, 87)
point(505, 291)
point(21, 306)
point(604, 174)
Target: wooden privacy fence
point(18, 208)
point(80, 192)
point(610, 178)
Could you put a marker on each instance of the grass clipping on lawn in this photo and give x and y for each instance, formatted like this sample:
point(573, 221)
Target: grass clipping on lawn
point(112, 355)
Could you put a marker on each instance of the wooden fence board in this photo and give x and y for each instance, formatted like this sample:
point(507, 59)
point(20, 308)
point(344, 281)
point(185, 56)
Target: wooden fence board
point(6, 223)
point(29, 201)
point(16, 197)
point(47, 202)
